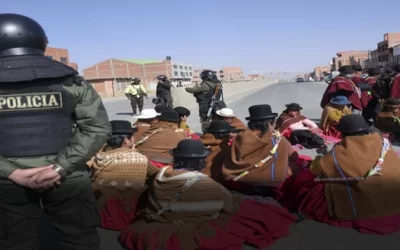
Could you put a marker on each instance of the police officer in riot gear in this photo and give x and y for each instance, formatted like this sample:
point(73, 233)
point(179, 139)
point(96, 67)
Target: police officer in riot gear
point(135, 93)
point(163, 91)
point(42, 157)
point(208, 95)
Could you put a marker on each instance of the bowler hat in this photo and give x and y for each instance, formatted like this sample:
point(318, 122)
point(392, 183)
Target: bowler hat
point(392, 102)
point(182, 111)
point(346, 69)
point(162, 108)
point(220, 126)
point(120, 127)
point(340, 100)
point(374, 71)
point(190, 148)
point(352, 124)
point(169, 116)
point(260, 112)
point(357, 67)
point(293, 107)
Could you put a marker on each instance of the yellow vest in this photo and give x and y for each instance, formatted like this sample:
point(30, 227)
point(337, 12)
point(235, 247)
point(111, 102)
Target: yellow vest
point(135, 90)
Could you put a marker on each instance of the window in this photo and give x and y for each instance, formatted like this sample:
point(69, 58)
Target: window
point(185, 67)
point(187, 74)
point(181, 67)
point(175, 66)
point(190, 73)
point(49, 57)
point(64, 60)
point(183, 74)
point(190, 68)
point(175, 72)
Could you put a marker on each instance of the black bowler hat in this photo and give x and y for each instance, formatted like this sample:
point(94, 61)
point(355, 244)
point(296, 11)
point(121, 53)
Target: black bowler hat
point(162, 108)
point(261, 112)
point(346, 69)
point(182, 111)
point(169, 116)
point(220, 126)
point(352, 124)
point(190, 148)
point(293, 107)
point(357, 67)
point(120, 127)
point(392, 102)
point(374, 71)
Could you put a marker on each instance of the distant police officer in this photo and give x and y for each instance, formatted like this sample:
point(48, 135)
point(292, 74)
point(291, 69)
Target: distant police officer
point(208, 95)
point(51, 123)
point(135, 93)
point(163, 91)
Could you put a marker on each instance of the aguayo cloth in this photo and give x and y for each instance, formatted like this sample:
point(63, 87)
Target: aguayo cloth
point(119, 177)
point(219, 150)
point(363, 180)
point(159, 139)
point(285, 121)
point(343, 86)
point(142, 127)
point(258, 159)
point(188, 210)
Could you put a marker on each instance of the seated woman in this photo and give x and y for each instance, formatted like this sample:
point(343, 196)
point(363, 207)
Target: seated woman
point(217, 137)
point(292, 119)
point(332, 113)
point(160, 138)
point(259, 157)
point(188, 210)
point(388, 120)
point(227, 114)
point(298, 129)
point(146, 118)
point(119, 175)
point(355, 185)
point(184, 113)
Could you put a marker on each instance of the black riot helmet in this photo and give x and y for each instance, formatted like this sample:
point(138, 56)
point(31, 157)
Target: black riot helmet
point(21, 35)
point(136, 80)
point(162, 78)
point(207, 75)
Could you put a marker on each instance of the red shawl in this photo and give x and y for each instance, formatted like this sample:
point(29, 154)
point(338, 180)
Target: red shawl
point(285, 121)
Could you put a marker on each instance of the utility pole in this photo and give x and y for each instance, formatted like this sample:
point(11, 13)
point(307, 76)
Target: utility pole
point(113, 76)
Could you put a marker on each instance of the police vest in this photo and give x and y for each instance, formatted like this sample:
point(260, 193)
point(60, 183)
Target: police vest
point(35, 118)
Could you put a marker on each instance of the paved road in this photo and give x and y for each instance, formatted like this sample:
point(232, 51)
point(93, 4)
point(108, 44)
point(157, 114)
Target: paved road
point(306, 235)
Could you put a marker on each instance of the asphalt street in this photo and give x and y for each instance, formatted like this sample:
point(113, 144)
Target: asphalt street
point(305, 235)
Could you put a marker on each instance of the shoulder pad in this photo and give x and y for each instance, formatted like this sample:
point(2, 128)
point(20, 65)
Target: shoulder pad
point(75, 79)
point(79, 80)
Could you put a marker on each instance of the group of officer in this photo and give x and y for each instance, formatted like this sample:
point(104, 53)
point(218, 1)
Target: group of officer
point(208, 94)
point(51, 123)
point(136, 93)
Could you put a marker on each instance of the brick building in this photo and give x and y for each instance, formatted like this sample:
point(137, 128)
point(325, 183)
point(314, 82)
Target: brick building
point(320, 71)
point(110, 77)
point(61, 55)
point(255, 77)
point(232, 74)
point(348, 58)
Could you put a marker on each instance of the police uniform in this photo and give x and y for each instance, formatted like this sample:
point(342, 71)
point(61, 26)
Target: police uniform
point(163, 92)
point(135, 92)
point(204, 93)
point(48, 115)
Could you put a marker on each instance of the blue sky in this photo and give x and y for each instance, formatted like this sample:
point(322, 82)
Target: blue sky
point(257, 35)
